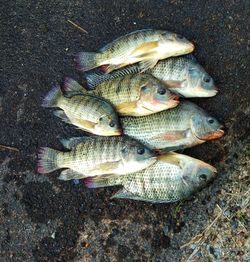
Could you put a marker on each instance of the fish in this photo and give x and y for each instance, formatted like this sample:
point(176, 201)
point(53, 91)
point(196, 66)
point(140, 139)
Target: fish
point(131, 95)
point(182, 127)
point(183, 76)
point(145, 46)
point(89, 113)
point(171, 178)
point(92, 156)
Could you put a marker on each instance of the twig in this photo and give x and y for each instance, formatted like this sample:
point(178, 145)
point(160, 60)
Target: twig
point(77, 26)
point(9, 148)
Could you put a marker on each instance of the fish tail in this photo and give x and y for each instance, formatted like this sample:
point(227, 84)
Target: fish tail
point(47, 160)
point(87, 60)
point(52, 98)
point(70, 85)
point(102, 181)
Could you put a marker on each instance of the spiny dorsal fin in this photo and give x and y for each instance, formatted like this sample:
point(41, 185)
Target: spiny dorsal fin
point(70, 85)
point(69, 143)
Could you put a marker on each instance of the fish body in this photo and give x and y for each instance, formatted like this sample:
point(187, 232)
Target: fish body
point(182, 75)
point(88, 112)
point(91, 156)
point(184, 126)
point(144, 46)
point(173, 177)
point(131, 95)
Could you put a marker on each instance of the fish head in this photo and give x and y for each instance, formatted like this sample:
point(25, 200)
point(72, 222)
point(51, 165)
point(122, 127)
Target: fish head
point(198, 83)
point(198, 173)
point(137, 156)
point(108, 125)
point(175, 44)
point(155, 96)
point(205, 127)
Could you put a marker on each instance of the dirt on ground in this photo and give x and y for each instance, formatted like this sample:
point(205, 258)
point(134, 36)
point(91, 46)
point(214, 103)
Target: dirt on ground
point(44, 219)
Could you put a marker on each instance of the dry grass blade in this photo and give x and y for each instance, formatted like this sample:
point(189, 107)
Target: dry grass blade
point(9, 148)
point(77, 26)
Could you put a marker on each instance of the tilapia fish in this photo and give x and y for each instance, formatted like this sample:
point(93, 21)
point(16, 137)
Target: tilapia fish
point(88, 112)
point(144, 46)
point(132, 95)
point(184, 126)
point(173, 177)
point(182, 75)
point(91, 156)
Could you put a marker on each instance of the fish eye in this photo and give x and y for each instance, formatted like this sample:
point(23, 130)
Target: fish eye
point(143, 88)
point(210, 120)
point(203, 177)
point(140, 151)
point(207, 79)
point(161, 91)
point(112, 123)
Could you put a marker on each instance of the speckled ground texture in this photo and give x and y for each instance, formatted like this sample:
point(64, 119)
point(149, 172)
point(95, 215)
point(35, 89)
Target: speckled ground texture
point(44, 219)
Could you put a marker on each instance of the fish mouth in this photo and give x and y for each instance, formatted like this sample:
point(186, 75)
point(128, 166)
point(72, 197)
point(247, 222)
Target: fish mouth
point(174, 101)
point(118, 132)
point(191, 47)
point(213, 135)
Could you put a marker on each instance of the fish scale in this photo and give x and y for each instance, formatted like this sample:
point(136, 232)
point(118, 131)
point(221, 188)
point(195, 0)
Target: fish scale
point(173, 177)
point(96, 156)
point(141, 127)
point(178, 128)
point(117, 48)
point(183, 75)
point(120, 90)
point(146, 46)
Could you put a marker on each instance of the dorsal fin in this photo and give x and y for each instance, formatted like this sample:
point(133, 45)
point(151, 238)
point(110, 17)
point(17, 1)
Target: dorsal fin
point(69, 143)
point(72, 86)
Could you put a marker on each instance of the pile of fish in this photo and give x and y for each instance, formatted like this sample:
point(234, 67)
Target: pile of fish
point(132, 107)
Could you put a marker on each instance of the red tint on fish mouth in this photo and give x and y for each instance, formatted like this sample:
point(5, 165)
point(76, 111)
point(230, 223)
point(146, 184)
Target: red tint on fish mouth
point(213, 135)
point(175, 97)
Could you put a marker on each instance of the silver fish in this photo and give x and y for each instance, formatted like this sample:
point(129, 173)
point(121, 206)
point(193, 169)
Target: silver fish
point(91, 156)
point(184, 126)
point(145, 46)
point(182, 75)
point(173, 177)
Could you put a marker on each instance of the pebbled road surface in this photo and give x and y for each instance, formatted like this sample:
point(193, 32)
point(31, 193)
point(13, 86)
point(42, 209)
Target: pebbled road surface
point(43, 219)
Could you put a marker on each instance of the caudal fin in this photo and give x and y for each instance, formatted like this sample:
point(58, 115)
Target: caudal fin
point(47, 160)
point(86, 61)
point(51, 99)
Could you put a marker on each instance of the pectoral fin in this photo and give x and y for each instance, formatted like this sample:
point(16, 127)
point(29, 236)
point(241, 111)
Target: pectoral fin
point(105, 168)
point(172, 135)
point(170, 157)
point(127, 108)
point(144, 49)
point(85, 124)
point(173, 84)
